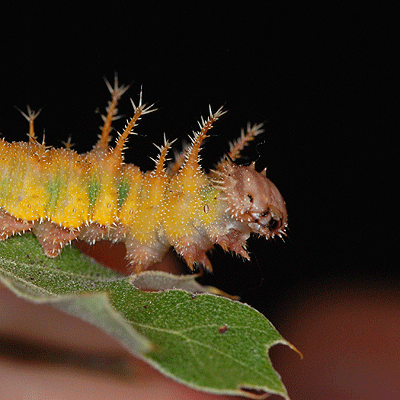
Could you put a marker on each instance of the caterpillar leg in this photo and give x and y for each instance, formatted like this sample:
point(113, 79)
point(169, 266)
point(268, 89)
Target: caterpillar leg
point(53, 237)
point(10, 225)
point(194, 251)
point(234, 241)
point(142, 255)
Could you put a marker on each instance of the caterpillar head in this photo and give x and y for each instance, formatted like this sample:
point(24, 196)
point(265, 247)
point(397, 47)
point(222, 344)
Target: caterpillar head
point(253, 199)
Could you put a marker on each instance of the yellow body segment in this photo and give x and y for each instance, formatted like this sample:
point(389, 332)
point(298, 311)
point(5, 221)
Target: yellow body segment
point(179, 211)
point(211, 205)
point(22, 192)
point(132, 181)
point(66, 181)
point(29, 203)
point(105, 171)
point(105, 210)
point(73, 206)
point(148, 217)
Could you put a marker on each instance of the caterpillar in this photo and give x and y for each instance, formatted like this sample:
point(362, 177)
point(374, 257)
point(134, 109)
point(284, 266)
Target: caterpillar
point(61, 195)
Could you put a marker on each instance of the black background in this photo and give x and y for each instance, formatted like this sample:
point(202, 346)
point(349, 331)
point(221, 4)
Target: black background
point(321, 76)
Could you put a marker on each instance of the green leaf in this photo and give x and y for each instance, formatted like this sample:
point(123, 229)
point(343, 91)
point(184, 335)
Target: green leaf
point(207, 342)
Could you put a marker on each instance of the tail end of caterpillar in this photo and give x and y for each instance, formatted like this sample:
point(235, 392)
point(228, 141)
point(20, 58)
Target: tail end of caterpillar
point(53, 237)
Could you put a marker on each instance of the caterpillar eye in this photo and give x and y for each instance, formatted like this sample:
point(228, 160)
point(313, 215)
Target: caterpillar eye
point(274, 224)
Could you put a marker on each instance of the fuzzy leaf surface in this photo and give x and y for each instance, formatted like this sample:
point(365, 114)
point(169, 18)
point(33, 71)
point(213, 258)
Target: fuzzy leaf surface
point(207, 342)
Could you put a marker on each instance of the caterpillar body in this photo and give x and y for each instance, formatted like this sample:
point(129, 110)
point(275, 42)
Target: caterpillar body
point(61, 195)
